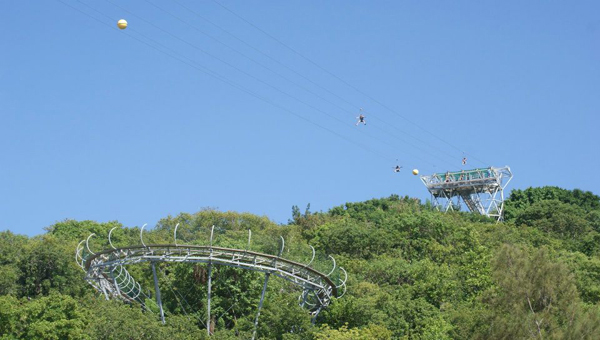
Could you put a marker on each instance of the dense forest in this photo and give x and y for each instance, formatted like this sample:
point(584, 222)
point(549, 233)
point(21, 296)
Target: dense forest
point(413, 273)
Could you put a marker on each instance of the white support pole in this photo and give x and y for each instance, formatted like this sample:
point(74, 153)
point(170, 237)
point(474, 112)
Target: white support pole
point(104, 290)
point(208, 305)
point(260, 303)
point(314, 318)
point(304, 297)
point(157, 289)
point(209, 281)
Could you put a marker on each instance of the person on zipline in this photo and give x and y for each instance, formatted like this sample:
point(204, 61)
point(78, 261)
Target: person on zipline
point(361, 118)
point(397, 168)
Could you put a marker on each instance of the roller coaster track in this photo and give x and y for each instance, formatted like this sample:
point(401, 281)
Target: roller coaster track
point(106, 270)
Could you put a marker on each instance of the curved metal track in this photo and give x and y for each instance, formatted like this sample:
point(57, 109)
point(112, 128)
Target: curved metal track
point(98, 264)
point(105, 270)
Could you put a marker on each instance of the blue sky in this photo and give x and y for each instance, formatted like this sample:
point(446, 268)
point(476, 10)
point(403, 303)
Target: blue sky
point(95, 124)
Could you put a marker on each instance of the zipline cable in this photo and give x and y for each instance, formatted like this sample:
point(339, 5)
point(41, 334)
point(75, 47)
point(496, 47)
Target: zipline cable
point(225, 80)
point(275, 88)
point(248, 74)
point(260, 80)
point(347, 83)
point(353, 105)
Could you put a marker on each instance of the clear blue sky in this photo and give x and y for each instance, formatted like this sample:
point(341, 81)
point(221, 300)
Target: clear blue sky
point(96, 125)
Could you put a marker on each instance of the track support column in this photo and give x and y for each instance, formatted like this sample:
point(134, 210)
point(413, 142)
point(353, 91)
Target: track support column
point(209, 281)
point(157, 289)
point(260, 303)
point(112, 275)
point(104, 290)
point(304, 297)
point(314, 318)
point(208, 305)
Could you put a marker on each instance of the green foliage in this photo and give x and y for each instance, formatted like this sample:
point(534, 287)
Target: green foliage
point(536, 297)
point(282, 318)
point(50, 317)
point(553, 216)
point(372, 332)
point(10, 256)
point(353, 238)
point(115, 320)
point(413, 274)
point(44, 268)
point(521, 199)
point(71, 230)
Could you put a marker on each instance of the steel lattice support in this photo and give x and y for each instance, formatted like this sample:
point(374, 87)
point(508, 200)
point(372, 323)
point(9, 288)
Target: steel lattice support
point(106, 271)
point(481, 190)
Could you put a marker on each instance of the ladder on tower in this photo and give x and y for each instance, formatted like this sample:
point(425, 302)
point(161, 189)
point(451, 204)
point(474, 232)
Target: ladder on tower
point(474, 205)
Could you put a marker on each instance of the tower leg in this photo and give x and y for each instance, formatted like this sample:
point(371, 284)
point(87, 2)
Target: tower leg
point(158, 300)
point(104, 291)
point(304, 296)
point(208, 305)
point(262, 298)
point(314, 318)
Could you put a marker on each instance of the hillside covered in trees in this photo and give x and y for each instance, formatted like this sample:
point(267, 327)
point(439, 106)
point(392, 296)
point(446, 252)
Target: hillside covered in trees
point(413, 274)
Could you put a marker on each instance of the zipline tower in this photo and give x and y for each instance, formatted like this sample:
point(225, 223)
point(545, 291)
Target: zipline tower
point(482, 190)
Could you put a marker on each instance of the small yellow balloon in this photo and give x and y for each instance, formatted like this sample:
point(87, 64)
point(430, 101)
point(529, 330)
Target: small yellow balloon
point(122, 24)
point(415, 172)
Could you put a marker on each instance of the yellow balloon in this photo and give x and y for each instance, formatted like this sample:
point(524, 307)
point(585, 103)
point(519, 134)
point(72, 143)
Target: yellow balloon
point(122, 24)
point(415, 172)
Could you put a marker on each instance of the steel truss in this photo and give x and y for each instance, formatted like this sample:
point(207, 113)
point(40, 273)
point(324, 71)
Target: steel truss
point(106, 271)
point(481, 190)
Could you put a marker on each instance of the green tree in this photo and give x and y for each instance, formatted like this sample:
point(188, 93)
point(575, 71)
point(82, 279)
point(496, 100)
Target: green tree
point(563, 219)
point(47, 265)
point(371, 332)
point(113, 320)
point(282, 318)
point(521, 199)
point(53, 317)
point(10, 256)
point(536, 297)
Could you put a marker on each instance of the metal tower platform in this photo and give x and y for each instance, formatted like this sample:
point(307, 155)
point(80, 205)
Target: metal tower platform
point(482, 190)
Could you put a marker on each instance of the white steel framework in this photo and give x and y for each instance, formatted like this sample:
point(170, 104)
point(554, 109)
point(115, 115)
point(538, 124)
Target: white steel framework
point(106, 271)
point(481, 190)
